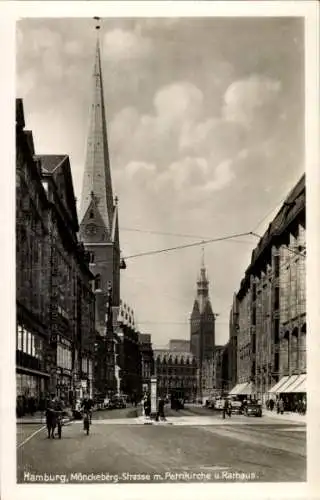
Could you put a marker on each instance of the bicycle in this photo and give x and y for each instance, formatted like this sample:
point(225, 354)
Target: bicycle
point(59, 424)
point(86, 422)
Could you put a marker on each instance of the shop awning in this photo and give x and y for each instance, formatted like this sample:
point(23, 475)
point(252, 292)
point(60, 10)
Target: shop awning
point(299, 385)
point(278, 385)
point(287, 386)
point(236, 390)
point(246, 390)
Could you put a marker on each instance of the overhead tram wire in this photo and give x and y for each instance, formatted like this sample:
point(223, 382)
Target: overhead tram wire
point(177, 235)
point(188, 245)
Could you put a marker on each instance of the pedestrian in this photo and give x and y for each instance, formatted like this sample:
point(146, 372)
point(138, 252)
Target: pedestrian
point(147, 406)
point(225, 408)
point(229, 408)
point(161, 409)
point(281, 406)
point(271, 404)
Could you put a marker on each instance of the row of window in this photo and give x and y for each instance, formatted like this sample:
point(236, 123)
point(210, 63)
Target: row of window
point(29, 342)
point(64, 357)
point(86, 366)
point(175, 362)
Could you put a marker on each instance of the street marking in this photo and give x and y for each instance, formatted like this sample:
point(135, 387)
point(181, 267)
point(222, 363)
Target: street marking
point(30, 437)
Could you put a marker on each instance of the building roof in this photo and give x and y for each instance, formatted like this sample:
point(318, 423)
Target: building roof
point(50, 163)
point(58, 167)
point(294, 204)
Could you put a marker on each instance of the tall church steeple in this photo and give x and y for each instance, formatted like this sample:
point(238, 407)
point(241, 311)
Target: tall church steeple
point(202, 321)
point(203, 283)
point(97, 176)
point(99, 226)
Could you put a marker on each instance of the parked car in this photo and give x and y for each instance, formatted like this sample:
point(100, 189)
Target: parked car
point(219, 404)
point(253, 409)
point(116, 403)
point(236, 406)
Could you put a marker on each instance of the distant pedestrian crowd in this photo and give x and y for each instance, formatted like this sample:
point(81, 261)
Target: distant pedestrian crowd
point(29, 405)
point(297, 405)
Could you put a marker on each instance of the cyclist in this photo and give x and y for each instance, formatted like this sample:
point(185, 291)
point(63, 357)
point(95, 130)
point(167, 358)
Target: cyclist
point(87, 405)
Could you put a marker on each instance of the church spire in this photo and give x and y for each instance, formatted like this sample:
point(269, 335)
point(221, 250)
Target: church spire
point(97, 176)
point(203, 283)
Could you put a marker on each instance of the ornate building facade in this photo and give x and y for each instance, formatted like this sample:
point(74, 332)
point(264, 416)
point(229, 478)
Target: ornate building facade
point(55, 303)
point(271, 302)
point(99, 229)
point(128, 354)
point(176, 371)
point(147, 360)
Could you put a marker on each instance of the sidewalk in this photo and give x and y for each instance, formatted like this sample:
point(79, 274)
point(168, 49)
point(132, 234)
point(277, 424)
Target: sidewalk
point(39, 417)
point(287, 415)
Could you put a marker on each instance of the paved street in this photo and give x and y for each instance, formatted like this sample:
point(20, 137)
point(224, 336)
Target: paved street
point(193, 441)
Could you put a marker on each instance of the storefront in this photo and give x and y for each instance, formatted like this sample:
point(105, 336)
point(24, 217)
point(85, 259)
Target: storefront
point(291, 389)
point(31, 377)
point(31, 390)
point(30, 385)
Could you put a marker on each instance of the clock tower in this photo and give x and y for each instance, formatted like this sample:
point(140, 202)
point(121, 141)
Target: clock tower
point(99, 230)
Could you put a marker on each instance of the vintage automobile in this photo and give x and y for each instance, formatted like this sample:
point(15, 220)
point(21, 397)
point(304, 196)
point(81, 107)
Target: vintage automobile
point(252, 409)
point(219, 404)
point(236, 406)
point(116, 402)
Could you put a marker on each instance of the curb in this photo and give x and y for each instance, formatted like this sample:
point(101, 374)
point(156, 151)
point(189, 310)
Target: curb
point(41, 421)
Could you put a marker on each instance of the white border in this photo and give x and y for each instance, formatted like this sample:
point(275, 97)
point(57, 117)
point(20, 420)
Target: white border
point(13, 10)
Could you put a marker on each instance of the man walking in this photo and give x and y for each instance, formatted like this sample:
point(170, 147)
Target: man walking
point(161, 409)
point(225, 408)
point(281, 406)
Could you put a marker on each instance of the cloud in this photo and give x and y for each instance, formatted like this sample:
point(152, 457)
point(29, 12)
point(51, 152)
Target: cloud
point(246, 101)
point(139, 170)
point(223, 175)
point(119, 45)
point(154, 137)
point(178, 101)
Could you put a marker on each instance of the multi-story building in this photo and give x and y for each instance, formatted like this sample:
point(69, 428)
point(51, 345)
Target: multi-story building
point(232, 344)
point(176, 373)
point(271, 305)
point(55, 303)
point(128, 354)
point(147, 360)
point(32, 268)
point(180, 345)
point(202, 331)
point(226, 384)
point(218, 380)
point(99, 229)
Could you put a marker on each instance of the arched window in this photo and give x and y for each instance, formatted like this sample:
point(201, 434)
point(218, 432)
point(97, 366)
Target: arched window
point(97, 282)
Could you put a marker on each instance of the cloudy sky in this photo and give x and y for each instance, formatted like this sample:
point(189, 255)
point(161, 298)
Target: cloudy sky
point(205, 124)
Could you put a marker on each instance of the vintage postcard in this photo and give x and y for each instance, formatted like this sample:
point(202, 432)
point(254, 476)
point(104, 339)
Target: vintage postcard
point(164, 165)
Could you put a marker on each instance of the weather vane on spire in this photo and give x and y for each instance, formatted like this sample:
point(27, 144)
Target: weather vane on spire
point(98, 21)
